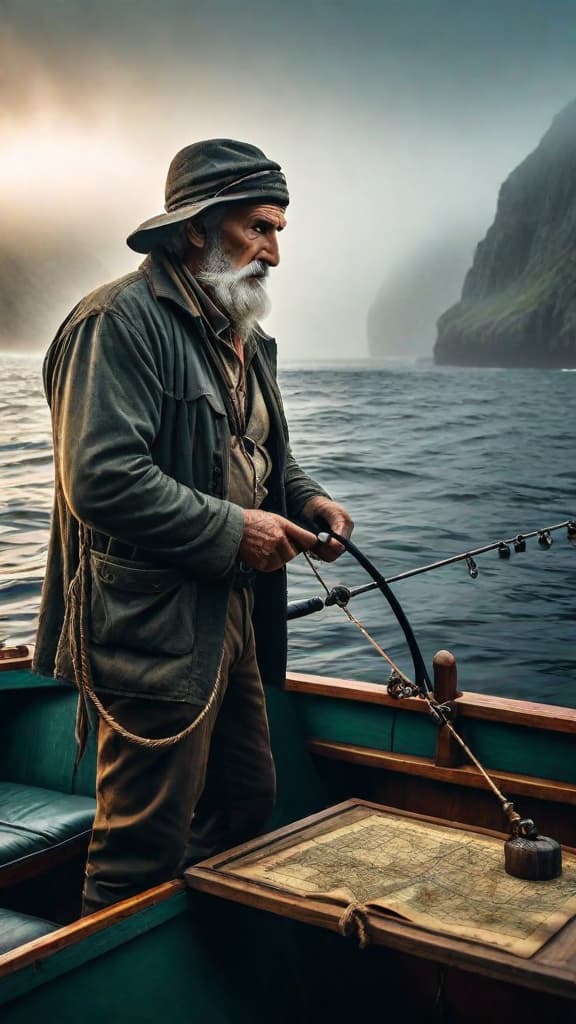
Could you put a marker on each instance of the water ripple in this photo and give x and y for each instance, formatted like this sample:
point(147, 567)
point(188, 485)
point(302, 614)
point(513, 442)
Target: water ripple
point(424, 479)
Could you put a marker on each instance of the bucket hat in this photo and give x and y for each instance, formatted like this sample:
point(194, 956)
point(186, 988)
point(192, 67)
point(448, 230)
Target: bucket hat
point(206, 174)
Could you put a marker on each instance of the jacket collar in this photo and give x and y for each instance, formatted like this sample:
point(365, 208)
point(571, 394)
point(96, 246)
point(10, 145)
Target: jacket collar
point(162, 286)
point(218, 320)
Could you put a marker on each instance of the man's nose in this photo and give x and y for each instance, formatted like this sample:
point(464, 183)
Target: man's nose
point(271, 251)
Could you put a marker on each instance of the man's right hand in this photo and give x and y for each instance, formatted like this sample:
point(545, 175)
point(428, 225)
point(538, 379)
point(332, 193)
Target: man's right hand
point(269, 540)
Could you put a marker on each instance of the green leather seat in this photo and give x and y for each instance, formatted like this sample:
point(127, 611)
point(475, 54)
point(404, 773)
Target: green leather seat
point(35, 822)
point(16, 929)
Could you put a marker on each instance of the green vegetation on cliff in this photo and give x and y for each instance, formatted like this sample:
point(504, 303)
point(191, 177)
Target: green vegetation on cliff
point(518, 305)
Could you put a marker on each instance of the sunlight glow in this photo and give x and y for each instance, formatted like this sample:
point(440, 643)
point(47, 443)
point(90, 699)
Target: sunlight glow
point(53, 162)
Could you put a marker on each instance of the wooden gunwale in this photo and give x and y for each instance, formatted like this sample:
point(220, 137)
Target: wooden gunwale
point(470, 705)
point(39, 949)
point(530, 714)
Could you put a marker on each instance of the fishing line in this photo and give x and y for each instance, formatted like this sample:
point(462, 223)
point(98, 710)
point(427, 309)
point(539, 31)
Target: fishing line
point(359, 625)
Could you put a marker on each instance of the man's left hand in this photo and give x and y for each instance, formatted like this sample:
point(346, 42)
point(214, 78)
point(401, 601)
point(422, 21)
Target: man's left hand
point(325, 512)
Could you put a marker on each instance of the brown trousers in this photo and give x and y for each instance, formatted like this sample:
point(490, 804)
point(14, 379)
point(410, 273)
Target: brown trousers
point(159, 810)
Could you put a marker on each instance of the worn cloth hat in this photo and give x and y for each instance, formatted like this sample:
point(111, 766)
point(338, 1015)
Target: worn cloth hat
point(206, 174)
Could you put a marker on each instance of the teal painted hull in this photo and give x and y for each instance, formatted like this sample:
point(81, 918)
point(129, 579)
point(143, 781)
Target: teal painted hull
point(191, 958)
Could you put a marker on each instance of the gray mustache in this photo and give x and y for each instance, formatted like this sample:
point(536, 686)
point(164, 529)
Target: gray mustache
point(255, 269)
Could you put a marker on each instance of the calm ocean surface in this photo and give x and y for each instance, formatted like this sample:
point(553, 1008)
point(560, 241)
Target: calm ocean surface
point(431, 462)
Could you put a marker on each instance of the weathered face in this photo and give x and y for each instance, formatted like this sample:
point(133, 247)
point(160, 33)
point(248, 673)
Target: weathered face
point(232, 255)
point(250, 232)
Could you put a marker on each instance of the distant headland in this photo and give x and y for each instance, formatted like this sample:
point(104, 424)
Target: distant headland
point(518, 304)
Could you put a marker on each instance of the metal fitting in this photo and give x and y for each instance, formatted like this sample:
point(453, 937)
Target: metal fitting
point(339, 595)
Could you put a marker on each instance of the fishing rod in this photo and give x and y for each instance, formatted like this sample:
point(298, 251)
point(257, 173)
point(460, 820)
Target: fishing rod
point(340, 595)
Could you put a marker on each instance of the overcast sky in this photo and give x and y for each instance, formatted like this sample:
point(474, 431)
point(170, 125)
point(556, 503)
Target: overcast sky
point(395, 123)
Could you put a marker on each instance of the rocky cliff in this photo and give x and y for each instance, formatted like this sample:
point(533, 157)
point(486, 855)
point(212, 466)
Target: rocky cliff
point(518, 305)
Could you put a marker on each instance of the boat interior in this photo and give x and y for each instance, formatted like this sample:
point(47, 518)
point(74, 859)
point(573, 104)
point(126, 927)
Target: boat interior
point(216, 953)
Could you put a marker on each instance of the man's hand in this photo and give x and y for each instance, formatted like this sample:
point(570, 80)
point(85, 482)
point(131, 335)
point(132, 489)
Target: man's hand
point(269, 541)
point(328, 513)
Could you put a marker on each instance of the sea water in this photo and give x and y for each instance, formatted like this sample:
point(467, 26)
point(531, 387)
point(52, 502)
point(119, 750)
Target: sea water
point(431, 462)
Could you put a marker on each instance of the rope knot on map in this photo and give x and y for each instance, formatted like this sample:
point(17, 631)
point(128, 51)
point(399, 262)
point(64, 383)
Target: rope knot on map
point(354, 924)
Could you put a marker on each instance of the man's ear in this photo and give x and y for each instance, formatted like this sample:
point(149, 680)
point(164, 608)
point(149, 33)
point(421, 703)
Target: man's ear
point(196, 234)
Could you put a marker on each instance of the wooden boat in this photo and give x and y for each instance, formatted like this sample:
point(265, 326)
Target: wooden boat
point(229, 951)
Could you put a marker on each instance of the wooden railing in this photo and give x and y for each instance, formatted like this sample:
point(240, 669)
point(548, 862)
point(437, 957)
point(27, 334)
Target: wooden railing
point(469, 705)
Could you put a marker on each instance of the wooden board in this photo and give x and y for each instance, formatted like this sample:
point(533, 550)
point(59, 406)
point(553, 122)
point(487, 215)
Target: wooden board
point(552, 969)
point(532, 715)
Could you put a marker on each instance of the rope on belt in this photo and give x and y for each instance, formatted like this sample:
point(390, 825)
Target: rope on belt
point(83, 672)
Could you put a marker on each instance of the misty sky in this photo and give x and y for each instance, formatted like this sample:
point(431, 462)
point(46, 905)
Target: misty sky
point(395, 123)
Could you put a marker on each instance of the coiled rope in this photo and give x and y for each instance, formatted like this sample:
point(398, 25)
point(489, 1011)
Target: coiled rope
point(81, 660)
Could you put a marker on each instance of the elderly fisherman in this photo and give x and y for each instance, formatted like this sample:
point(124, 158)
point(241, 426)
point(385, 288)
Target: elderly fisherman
point(175, 500)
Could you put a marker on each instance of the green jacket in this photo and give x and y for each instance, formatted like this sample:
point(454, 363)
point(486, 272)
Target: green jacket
point(142, 427)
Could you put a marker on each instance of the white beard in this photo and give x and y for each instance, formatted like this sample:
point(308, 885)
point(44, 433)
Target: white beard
point(241, 294)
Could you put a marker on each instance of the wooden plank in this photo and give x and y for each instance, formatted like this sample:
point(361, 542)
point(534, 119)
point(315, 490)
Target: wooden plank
point(39, 949)
point(518, 712)
point(347, 689)
point(466, 775)
point(556, 975)
point(470, 705)
point(15, 658)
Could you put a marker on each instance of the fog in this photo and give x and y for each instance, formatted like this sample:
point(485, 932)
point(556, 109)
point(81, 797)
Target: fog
point(395, 124)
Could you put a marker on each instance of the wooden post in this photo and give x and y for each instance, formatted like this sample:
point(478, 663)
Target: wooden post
point(448, 753)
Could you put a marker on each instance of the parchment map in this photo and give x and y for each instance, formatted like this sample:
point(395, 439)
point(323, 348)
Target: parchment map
point(445, 879)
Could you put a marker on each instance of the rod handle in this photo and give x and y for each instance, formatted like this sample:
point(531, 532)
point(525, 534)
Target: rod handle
point(298, 609)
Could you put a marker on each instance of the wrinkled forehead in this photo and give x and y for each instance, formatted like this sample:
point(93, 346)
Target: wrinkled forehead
point(275, 215)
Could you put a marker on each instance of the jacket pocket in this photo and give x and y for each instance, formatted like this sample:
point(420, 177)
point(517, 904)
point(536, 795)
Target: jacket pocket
point(137, 606)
